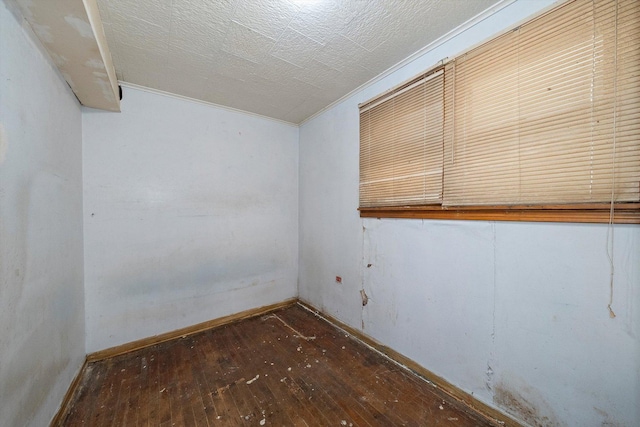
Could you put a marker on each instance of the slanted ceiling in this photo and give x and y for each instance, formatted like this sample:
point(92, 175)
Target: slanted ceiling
point(71, 31)
point(284, 59)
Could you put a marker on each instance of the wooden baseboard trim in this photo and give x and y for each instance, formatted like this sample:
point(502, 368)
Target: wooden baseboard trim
point(493, 415)
point(58, 418)
point(189, 330)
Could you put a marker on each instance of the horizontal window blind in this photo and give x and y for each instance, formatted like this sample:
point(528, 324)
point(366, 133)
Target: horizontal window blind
point(401, 145)
point(548, 113)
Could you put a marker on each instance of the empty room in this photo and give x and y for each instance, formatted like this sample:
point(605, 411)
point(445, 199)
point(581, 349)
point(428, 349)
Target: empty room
point(320, 213)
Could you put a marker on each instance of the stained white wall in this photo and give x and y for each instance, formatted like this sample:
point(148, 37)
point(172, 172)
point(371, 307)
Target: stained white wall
point(514, 313)
point(41, 293)
point(190, 215)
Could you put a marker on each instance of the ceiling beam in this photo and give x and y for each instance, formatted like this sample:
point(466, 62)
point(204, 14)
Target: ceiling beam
point(72, 33)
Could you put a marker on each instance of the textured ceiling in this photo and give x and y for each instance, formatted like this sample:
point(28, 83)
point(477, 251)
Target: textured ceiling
point(285, 59)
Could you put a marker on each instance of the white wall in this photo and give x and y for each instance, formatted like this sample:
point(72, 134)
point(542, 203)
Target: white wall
point(514, 313)
point(190, 214)
point(41, 293)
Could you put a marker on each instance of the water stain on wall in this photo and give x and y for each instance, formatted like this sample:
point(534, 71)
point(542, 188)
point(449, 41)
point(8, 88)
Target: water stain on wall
point(607, 421)
point(526, 404)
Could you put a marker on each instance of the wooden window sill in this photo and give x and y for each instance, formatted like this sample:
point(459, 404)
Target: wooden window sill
point(624, 213)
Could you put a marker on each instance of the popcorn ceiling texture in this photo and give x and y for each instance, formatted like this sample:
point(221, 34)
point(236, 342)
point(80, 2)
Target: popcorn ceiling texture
point(278, 58)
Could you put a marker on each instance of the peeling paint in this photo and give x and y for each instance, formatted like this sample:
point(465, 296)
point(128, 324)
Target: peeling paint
point(489, 374)
point(486, 290)
point(365, 298)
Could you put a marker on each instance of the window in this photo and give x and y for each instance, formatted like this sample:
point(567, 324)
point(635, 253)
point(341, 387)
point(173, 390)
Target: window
point(541, 123)
point(401, 145)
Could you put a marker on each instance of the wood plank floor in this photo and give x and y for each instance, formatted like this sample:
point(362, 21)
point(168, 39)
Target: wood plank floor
point(287, 368)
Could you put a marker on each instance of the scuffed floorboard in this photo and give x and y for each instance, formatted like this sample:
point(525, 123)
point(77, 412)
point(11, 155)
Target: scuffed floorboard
point(287, 368)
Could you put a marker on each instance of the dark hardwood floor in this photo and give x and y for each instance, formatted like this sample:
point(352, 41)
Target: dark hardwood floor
point(287, 368)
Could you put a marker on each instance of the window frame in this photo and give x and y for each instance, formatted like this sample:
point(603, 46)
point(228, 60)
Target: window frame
point(605, 212)
point(622, 213)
